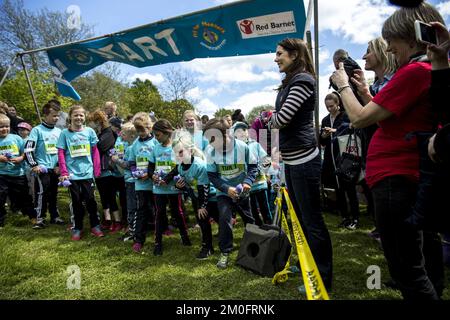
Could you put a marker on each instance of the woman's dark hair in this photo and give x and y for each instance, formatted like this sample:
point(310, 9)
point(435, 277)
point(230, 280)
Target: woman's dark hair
point(406, 3)
point(237, 116)
point(336, 97)
point(303, 61)
point(163, 126)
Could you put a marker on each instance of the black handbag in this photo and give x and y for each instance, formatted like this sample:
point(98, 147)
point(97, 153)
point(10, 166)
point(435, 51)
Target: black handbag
point(349, 163)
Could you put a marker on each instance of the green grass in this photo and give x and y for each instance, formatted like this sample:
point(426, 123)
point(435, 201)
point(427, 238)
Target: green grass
point(33, 265)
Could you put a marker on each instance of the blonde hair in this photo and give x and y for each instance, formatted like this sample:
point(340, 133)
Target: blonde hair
point(142, 120)
point(129, 128)
point(184, 138)
point(3, 107)
point(4, 117)
point(191, 112)
point(379, 48)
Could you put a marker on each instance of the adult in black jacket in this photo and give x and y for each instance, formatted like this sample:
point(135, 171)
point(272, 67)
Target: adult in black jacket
point(298, 146)
point(105, 183)
point(336, 123)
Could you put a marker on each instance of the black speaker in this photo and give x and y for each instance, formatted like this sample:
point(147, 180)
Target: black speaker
point(264, 250)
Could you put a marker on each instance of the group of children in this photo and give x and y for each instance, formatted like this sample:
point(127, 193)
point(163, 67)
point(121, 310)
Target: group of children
point(150, 164)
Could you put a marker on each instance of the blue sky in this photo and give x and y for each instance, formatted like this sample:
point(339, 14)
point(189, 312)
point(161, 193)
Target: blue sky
point(247, 81)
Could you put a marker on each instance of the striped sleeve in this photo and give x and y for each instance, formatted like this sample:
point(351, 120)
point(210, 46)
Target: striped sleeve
point(298, 94)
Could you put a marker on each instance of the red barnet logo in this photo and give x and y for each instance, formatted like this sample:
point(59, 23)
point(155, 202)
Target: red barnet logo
point(247, 26)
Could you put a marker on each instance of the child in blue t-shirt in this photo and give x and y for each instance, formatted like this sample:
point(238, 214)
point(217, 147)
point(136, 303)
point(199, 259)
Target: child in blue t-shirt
point(193, 179)
point(138, 161)
point(232, 170)
point(162, 162)
point(259, 198)
point(120, 158)
point(12, 175)
point(42, 156)
point(79, 162)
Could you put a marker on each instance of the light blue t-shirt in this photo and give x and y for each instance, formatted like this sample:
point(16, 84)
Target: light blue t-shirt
point(199, 140)
point(77, 146)
point(140, 153)
point(164, 160)
point(45, 139)
point(258, 152)
point(231, 165)
point(197, 175)
point(12, 144)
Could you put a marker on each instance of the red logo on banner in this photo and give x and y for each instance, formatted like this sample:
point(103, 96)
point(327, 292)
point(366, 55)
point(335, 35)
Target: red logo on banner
point(247, 26)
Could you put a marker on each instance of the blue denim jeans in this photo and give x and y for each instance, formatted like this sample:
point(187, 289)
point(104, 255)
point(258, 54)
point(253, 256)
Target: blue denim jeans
point(303, 183)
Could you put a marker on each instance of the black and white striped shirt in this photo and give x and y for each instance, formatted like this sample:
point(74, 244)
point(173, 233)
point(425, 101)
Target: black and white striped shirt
point(298, 94)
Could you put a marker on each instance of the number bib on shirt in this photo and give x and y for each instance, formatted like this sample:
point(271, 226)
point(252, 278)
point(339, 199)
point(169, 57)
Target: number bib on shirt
point(50, 148)
point(142, 163)
point(12, 149)
point(165, 166)
point(81, 150)
point(231, 171)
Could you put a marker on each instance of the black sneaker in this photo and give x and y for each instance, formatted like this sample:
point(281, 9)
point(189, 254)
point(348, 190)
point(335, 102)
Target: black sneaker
point(353, 225)
point(204, 253)
point(346, 222)
point(39, 225)
point(57, 221)
point(157, 251)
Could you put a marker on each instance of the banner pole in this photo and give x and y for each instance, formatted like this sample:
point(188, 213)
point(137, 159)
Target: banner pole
point(7, 70)
point(316, 61)
point(30, 87)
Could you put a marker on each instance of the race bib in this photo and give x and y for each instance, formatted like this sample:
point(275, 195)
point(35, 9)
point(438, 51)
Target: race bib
point(231, 171)
point(142, 163)
point(11, 149)
point(120, 150)
point(165, 166)
point(81, 150)
point(50, 148)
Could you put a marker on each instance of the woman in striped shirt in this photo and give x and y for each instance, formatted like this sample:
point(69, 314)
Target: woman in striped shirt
point(297, 143)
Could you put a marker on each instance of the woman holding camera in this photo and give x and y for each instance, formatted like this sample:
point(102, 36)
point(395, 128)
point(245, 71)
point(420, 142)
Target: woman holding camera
point(392, 168)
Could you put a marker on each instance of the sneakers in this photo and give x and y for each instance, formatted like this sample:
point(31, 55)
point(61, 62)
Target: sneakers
point(157, 251)
point(126, 237)
point(374, 234)
point(76, 235)
point(233, 221)
point(106, 225)
point(137, 247)
point(352, 225)
point(346, 222)
point(57, 221)
point(204, 253)
point(39, 225)
point(115, 227)
point(168, 233)
point(97, 232)
point(223, 261)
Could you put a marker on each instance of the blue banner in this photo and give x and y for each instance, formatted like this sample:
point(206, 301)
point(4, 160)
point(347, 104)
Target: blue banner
point(240, 28)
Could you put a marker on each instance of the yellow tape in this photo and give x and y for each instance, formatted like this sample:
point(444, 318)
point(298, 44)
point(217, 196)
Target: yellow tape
point(315, 289)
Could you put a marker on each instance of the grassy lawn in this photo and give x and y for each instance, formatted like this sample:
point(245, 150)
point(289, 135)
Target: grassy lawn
point(33, 265)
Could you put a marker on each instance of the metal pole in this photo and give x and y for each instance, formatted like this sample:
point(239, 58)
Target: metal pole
point(308, 18)
point(316, 58)
point(7, 70)
point(31, 88)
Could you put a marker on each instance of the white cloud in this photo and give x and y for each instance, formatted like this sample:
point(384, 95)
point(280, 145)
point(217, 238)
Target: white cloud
point(444, 9)
point(356, 20)
point(194, 93)
point(206, 106)
point(240, 69)
point(253, 99)
point(323, 55)
point(156, 79)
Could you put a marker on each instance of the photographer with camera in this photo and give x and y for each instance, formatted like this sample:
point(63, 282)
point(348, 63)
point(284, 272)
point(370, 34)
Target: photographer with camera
point(392, 168)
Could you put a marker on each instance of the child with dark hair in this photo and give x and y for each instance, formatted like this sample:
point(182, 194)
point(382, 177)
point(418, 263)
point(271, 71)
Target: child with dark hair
point(232, 170)
point(162, 162)
point(42, 156)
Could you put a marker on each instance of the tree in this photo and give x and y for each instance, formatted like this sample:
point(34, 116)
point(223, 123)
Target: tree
point(177, 83)
point(143, 96)
point(100, 86)
point(254, 113)
point(22, 30)
point(223, 112)
point(15, 92)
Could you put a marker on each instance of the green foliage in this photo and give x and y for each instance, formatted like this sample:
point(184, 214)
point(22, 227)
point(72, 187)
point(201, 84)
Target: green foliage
point(254, 113)
point(223, 112)
point(97, 88)
point(15, 92)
